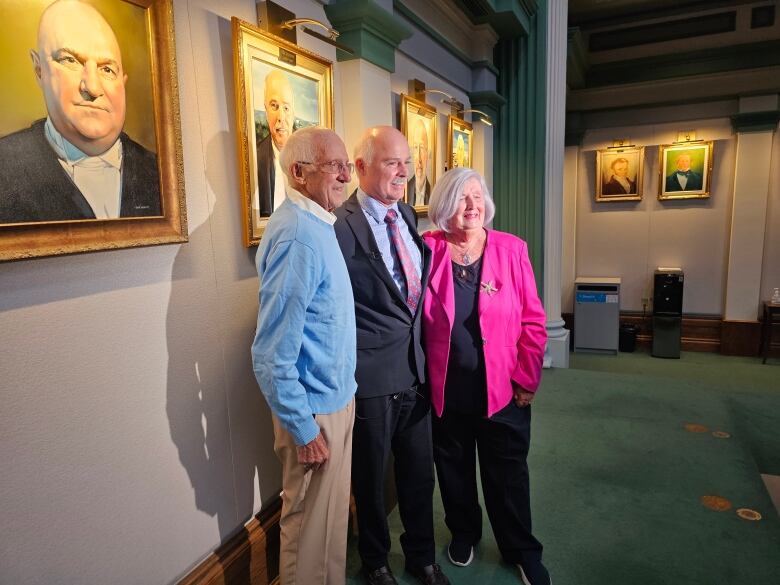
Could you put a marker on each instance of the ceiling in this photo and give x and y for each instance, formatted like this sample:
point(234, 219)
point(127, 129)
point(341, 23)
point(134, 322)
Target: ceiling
point(598, 13)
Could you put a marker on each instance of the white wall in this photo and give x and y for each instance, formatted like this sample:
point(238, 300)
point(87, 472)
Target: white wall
point(133, 438)
point(630, 239)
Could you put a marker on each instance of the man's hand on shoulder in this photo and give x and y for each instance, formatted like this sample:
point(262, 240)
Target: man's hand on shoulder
point(314, 454)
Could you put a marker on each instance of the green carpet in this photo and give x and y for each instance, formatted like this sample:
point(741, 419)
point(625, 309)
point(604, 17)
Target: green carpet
point(617, 479)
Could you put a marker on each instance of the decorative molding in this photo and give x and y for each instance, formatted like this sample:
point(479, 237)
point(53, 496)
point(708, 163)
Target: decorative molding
point(250, 557)
point(509, 18)
point(489, 102)
point(755, 121)
point(370, 30)
point(701, 62)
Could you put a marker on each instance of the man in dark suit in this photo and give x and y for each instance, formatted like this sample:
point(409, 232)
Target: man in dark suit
point(77, 163)
point(388, 265)
point(619, 183)
point(683, 179)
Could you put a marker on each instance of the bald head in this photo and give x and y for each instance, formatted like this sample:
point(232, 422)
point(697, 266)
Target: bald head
point(78, 66)
point(383, 161)
point(279, 107)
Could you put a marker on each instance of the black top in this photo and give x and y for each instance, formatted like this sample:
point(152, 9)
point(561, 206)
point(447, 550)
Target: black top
point(465, 390)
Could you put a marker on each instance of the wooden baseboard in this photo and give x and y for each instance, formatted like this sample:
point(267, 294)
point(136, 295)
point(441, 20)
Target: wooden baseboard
point(698, 333)
point(250, 557)
point(740, 338)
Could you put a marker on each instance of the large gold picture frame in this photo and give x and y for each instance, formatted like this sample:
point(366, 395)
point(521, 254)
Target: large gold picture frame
point(688, 162)
point(150, 132)
point(299, 93)
point(460, 138)
point(418, 124)
point(619, 173)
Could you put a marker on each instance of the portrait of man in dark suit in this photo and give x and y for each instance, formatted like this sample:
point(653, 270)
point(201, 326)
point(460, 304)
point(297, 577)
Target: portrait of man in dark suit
point(418, 189)
point(619, 182)
point(77, 163)
point(683, 178)
point(279, 101)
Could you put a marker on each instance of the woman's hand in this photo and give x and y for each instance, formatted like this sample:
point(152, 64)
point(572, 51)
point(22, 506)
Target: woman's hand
point(522, 398)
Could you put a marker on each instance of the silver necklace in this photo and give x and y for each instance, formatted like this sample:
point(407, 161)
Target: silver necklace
point(465, 256)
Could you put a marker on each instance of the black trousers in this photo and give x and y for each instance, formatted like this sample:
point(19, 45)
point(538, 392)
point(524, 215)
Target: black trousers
point(502, 442)
point(401, 422)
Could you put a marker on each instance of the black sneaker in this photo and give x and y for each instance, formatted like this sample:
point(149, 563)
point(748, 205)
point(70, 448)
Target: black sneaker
point(460, 554)
point(535, 574)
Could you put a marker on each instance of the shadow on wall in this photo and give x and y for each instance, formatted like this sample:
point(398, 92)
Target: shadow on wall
point(218, 419)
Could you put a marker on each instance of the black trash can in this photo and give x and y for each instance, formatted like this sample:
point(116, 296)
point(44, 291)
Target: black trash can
point(627, 337)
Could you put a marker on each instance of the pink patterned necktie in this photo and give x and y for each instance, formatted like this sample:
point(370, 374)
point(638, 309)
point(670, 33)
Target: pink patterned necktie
point(413, 285)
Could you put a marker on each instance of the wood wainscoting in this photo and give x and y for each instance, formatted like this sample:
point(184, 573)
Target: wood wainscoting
point(740, 338)
point(698, 332)
point(249, 557)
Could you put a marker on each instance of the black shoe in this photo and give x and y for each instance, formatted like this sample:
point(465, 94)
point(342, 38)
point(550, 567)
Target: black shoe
point(534, 574)
point(429, 575)
point(380, 576)
point(460, 554)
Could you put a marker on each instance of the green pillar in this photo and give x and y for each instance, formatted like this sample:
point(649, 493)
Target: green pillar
point(519, 138)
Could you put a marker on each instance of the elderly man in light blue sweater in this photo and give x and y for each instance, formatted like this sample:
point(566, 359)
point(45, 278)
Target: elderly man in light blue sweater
point(304, 357)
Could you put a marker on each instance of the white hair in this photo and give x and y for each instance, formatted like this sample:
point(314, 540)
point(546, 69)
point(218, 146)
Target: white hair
point(446, 195)
point(302, 146)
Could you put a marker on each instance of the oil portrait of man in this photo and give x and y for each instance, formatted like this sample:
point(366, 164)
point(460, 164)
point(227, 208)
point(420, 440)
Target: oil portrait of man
point(77, 163)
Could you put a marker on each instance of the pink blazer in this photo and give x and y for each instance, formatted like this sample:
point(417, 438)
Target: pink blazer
point(511, 318)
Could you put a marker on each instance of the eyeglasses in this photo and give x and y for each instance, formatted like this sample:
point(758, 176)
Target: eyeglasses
point(333, 167)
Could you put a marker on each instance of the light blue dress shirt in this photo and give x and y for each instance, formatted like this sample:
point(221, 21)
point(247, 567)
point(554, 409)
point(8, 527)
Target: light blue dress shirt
point(375, 213)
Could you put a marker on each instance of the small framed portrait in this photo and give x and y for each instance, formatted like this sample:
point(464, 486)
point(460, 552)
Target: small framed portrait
point(685, 170)
point(418, 124)
point(619, 174)
point(90, 142)
point(459, 138)
point(280, 88)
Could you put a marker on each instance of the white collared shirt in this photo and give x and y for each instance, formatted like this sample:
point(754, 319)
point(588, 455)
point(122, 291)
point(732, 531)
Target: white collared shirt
point(99, 178)
point(308, 205)
point(280, 179)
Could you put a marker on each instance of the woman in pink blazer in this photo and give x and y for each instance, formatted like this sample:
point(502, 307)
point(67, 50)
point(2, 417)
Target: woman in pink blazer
point(484, 336)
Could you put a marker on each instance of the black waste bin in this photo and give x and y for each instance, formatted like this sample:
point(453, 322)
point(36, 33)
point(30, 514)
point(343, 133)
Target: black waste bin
point(627, 337)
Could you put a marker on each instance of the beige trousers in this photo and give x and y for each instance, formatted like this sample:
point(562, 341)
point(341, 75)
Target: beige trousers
point(315, 505)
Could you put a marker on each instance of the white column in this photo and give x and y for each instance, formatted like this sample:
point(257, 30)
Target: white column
point(748, 216)
point(557, 351)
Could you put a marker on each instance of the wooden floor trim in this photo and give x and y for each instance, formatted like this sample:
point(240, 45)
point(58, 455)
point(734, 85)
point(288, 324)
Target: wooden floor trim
point(249, 557)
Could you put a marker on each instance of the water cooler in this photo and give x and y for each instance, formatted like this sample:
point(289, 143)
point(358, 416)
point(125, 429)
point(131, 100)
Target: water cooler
point(667, 311)
point(596, 314)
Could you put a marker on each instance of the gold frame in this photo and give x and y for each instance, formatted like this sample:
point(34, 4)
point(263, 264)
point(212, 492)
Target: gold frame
point(249, 42)
point(454, 123)
point(603, 158)
point(20, 241)
point(704, 192)
point(409, 105)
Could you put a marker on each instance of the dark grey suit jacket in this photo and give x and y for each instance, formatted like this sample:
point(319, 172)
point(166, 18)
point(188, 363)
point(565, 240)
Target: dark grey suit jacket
point(389, 338)
point(266, 176)
point(35, 188)
point(411, 192)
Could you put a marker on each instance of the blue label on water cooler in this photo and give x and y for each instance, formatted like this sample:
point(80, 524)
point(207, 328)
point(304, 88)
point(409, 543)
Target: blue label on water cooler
point(589, 297)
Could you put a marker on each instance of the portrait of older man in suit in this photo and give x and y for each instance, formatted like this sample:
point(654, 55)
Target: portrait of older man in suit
point(77, 163)
point(683, 178)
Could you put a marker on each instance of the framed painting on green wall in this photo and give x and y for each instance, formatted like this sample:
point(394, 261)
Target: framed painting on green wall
point(459, 143)
point(90, 141)
point(685, 170)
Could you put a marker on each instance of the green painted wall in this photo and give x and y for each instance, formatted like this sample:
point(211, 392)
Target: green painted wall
point(519, 138)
